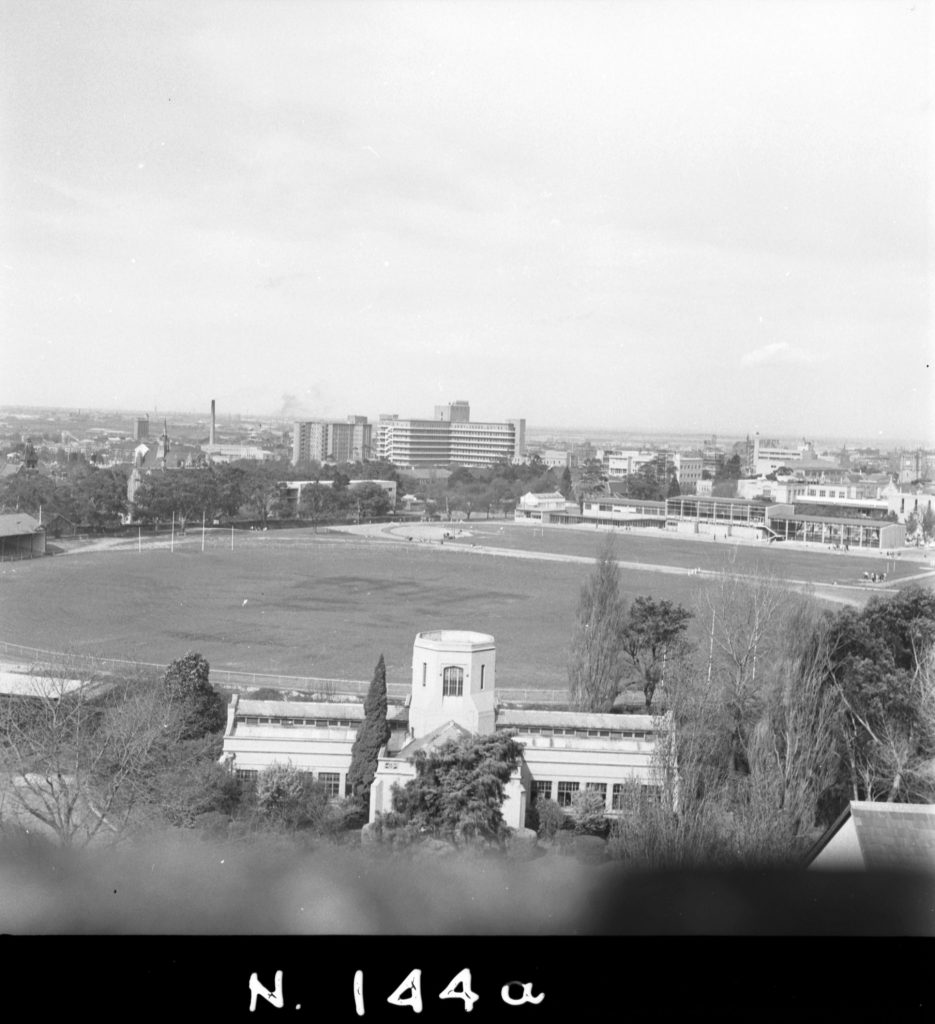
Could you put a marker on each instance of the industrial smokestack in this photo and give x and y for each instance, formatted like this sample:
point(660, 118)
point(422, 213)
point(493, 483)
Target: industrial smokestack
point(212, 422)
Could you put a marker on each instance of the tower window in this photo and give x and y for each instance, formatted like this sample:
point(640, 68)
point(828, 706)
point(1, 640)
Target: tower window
point(453, 681)
point(425, 669)
point(483, 672)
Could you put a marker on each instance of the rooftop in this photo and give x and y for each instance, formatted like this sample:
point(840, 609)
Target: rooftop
point(454, 636)
point(321, 710)
point(517, 718)
point(15, 524)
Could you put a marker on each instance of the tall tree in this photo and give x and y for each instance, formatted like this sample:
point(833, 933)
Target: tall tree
point(565, 484)
point(187, 689)
point(649, 632)
point(879, 663)
point(591, 482)
point(594, 664)
point(372, 735)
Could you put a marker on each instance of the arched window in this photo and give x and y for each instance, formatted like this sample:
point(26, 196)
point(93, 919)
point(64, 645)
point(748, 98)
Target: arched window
point(453, 681)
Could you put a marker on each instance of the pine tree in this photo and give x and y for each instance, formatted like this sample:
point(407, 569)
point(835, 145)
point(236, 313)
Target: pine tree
point(372, 735)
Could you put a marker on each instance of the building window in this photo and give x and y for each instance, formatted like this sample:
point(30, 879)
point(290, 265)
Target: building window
point(566, 790)
point(332, 782)
point(540, 791)
point(617, 797)
point(245, 774)
point(425, 670)
point(483, 673)
point(598, 787)
point(453, 681)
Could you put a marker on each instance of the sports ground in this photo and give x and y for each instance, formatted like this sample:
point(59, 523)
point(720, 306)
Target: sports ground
point(300, 603)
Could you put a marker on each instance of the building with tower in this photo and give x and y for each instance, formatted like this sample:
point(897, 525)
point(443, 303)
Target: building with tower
point(452, 694)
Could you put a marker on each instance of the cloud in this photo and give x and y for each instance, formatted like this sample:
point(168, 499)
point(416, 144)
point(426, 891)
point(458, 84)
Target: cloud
point(780, 353)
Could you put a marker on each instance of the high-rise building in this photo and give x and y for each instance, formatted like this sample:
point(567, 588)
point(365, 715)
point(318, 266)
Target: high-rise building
point(449, 437)
point(332, 442)
point(141, 428)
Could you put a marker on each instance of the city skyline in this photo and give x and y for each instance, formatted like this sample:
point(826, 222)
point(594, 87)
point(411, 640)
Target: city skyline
point(634, 217)
point(536, 433)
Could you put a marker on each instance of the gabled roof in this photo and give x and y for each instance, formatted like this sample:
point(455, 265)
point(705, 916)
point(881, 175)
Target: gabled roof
point(15, 524)
point(438, 737)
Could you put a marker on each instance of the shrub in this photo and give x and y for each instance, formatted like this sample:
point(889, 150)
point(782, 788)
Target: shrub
point(552, 818)
point(587, 811)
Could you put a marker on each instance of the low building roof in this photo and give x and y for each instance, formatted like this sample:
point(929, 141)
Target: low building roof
point(800, 517)
point(890, 836)
point(351, 711)
point(15, 524)
point(517, 718)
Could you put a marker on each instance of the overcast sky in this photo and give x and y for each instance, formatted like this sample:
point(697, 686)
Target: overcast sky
point(697, 216)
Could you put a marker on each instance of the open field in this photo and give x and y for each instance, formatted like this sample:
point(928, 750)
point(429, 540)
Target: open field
point(653, 548)
point(297, 603)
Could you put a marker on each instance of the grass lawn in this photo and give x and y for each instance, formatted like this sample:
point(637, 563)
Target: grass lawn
point(786, 562)
point(297, 603)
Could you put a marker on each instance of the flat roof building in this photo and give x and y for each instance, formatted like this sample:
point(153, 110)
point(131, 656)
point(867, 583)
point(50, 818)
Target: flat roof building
point(452, 695)
point(450, 437)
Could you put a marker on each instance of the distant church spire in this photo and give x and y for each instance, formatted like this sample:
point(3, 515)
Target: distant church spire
point(164, 444)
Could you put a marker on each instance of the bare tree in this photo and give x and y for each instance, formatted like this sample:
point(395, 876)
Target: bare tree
point(747, 748)
point(75, 747)
point(747, 619)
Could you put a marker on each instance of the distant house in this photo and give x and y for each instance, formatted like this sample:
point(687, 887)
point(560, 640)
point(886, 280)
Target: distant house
point(58, 525)
point(536, 507)
point(21, 536)
point(878, 837)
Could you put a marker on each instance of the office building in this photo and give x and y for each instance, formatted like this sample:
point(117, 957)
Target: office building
point(449, 437)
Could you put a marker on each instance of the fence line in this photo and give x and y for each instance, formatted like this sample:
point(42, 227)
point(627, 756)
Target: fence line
point(232, 679)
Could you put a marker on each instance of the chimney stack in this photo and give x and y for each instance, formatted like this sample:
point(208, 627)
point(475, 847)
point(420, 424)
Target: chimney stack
point(211, 440)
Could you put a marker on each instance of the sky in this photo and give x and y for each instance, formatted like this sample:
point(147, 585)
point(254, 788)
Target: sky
point(705, 216)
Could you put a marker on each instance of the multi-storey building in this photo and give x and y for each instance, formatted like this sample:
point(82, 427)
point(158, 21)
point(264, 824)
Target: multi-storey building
point(620, 463)
point(770, 455)
point(350, 441)
point(450, 437)
point(688, 468)
point(322, 441)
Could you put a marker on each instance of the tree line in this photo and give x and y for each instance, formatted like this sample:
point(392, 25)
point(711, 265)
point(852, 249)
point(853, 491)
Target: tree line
point(777, 715)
